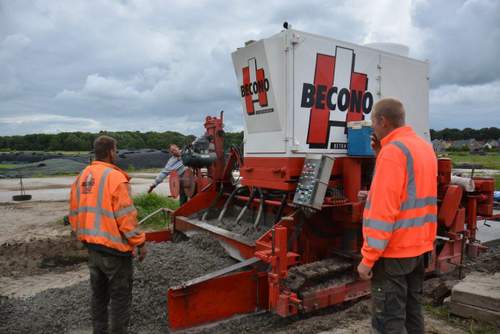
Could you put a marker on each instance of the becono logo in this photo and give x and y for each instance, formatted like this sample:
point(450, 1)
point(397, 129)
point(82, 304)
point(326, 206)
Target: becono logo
point(333, 98)
point(254, 89)
point(337, 88)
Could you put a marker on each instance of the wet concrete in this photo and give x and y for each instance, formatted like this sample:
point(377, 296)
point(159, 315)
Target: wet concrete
point(488, 230)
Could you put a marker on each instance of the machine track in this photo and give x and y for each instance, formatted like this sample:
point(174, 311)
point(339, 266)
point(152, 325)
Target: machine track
point(317, 274)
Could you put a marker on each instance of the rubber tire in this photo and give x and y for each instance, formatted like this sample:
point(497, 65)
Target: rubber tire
point(19, 198)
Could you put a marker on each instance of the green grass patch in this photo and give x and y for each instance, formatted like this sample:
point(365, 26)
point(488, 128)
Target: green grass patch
point(8, 166)
point(497, 181)
point(148, 203)
point(469, 325)
point(490, 161)
point(131, 169)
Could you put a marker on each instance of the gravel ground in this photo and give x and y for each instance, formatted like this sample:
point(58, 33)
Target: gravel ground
point(67, 309)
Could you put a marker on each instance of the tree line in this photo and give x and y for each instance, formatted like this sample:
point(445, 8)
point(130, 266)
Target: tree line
point(483, 134)
point(83, 141)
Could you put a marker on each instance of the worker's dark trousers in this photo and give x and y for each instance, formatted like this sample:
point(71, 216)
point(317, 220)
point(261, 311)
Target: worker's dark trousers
point(182, 196)
point(111, 283)
point(397, 295)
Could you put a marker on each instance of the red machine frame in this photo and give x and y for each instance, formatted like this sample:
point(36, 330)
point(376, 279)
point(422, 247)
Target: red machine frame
point(291, 241)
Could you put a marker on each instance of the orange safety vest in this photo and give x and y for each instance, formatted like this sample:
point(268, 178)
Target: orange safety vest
point(400, 216)
point(92, 215)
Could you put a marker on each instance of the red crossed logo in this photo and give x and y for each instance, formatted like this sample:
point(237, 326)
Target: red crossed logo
point(324, 96)
point(255, 87)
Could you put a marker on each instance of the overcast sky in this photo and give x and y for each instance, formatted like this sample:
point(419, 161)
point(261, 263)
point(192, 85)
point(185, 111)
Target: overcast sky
point(156, 65)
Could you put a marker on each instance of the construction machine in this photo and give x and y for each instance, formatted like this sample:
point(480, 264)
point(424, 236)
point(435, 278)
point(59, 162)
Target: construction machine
point(288, 208)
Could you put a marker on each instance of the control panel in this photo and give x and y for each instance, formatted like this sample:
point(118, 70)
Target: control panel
point(313, 181)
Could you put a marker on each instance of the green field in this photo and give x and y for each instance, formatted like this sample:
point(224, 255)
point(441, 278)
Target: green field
point(489, 161)
point(8, 166)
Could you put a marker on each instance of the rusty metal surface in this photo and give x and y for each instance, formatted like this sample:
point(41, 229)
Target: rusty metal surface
point(219, 273)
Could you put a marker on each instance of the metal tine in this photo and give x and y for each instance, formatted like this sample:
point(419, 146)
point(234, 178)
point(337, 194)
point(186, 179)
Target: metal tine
point(247, 205)
point(228, 201)
point(261, 209)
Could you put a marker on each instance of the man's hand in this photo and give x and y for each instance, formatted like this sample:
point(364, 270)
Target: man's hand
point(375, 143)
point(141, 252)
point(362, 195)
point(151, 187)
point(364, 272)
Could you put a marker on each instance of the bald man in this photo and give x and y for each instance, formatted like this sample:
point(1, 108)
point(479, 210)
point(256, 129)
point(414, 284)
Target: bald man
point(399, 220)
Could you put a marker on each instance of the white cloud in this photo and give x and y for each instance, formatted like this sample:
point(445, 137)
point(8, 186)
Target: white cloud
point(47, 123)
point(12, 45)
point(153, 64)
point(450, 95)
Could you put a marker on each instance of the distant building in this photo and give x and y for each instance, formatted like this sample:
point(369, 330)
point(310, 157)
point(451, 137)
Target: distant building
point(492, 144)
point(468, 144)
point(440, 145)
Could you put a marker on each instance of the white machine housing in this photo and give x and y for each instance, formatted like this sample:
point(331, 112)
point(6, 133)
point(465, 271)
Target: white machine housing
point(279, 82)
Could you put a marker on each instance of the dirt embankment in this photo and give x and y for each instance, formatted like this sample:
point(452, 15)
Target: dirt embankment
point(24, 222)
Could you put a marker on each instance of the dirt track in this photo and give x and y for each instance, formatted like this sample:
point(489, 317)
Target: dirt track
point(26, 221)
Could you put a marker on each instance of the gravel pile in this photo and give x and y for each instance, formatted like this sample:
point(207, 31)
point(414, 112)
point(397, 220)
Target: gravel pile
point(167, 264)
point(33, 164)
point(42, 256)
point(27, 157)
point(46, 167)
point(141, 159)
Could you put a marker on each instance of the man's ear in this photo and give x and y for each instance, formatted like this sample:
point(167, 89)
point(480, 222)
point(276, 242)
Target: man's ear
point(110, 155)
point(383, 122)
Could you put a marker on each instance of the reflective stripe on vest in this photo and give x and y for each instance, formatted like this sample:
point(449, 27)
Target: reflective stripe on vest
point(132, 233)
point(77, 201)
point(104, 212)
point(412, 201)
point(99, 211)
point(377, 243)
point(398, 224)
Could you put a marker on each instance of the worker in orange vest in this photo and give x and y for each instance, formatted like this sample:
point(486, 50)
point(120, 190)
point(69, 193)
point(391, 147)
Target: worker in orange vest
point(399, 220)
point(104, 219)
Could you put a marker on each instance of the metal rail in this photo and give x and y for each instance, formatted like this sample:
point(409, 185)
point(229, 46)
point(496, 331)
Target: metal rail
point(166, 211)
